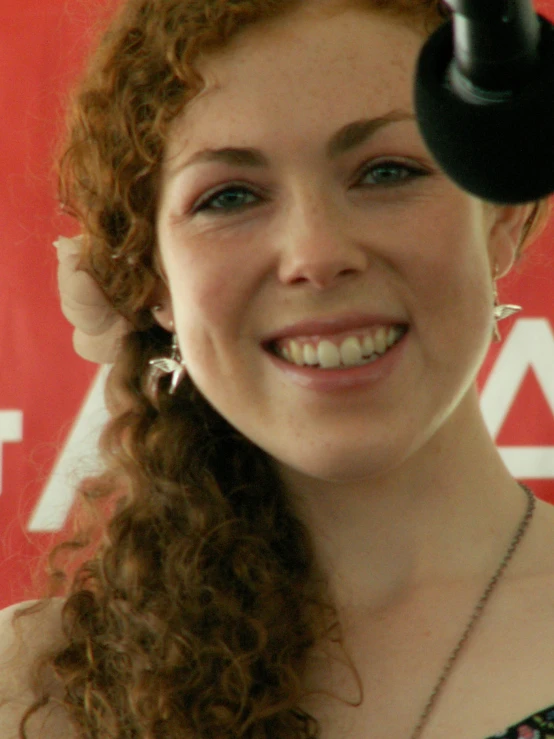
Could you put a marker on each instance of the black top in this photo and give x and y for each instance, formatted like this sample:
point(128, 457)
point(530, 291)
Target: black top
point(538, 726)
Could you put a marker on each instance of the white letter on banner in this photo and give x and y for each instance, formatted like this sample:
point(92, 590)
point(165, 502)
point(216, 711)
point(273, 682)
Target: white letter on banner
point(77, 459)
point(529, 345)
point(11, 431)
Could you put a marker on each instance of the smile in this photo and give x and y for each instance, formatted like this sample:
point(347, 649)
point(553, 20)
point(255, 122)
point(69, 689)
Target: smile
point(352, 349)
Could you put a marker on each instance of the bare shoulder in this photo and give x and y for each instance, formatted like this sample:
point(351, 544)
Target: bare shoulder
point(22, 640)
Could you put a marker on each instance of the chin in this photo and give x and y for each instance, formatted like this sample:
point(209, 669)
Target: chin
point(342, 469)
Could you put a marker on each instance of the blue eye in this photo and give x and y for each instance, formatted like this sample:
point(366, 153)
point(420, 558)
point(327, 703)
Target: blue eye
point(390, 173)
point(230, 199)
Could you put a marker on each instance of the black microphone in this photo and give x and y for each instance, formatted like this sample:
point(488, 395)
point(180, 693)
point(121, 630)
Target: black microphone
point(484, 98)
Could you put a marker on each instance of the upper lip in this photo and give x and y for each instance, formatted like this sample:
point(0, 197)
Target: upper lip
point(331, 325)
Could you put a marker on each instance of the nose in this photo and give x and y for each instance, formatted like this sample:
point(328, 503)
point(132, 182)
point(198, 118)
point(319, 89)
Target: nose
point(318, 244)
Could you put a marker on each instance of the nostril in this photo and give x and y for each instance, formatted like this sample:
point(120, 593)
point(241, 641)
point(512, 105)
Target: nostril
point(320, 278)
point(299, 280)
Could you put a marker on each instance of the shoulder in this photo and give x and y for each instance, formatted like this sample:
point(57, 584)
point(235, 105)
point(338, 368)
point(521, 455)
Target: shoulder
point(22, 640)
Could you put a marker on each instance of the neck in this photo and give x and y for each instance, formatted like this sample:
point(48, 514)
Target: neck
point(444, 515)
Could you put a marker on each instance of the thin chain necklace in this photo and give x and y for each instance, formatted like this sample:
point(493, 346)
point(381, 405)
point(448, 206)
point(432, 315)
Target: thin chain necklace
point(476, 614)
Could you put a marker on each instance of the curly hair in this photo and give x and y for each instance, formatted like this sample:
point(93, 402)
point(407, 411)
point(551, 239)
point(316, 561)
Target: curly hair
point(195, 612)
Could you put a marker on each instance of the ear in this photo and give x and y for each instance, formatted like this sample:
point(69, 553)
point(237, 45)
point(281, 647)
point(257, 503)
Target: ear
point(162, 310)
point(506, 230)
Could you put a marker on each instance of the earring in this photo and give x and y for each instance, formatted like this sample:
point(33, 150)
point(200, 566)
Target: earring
point(501, 312)
point(172, 365)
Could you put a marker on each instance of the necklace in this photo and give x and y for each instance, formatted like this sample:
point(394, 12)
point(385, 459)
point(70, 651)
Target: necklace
point(476, 614)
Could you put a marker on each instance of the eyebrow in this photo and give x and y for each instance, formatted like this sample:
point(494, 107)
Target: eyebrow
point(344, 140)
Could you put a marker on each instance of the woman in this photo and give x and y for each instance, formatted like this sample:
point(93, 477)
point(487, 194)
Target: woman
point(312, 532)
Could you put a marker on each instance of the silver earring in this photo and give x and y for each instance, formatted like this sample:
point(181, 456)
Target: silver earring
point(172, 365)
point(501, 312)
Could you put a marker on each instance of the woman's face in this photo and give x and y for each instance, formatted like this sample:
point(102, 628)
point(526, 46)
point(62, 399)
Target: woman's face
point(302, 219)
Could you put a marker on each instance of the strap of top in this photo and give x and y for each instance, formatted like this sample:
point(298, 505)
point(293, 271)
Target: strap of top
point(537, 726)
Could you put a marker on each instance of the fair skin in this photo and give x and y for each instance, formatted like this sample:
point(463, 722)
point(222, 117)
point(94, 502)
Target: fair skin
point(409, 504)
point(390, 465)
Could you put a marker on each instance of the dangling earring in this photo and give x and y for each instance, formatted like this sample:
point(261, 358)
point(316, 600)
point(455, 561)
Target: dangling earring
point(501, 311)
point(172, 365)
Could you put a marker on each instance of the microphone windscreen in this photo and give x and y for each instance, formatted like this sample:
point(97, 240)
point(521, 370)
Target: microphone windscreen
point(501, 151)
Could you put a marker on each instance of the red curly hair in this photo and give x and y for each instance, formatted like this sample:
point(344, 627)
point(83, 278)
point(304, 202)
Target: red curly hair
point(195, 613)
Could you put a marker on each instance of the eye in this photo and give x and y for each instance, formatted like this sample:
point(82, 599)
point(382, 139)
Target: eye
point(390, 173)
point(226, 200)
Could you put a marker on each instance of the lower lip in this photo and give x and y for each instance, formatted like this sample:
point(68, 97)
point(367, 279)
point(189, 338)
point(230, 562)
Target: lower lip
point(333, 380)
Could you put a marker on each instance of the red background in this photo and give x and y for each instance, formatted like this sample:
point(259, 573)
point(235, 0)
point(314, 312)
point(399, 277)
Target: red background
point(43, 384)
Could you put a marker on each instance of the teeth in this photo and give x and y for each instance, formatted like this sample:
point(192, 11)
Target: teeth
point(381, 341)
point(392, 336)
point(328, 355)
point(354, 351)
point(368, 347)
point(351, 352)
point(297, 355)
point(310, 355)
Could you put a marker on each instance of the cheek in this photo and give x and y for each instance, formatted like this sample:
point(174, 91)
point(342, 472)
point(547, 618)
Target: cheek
point(455, 235)
point(214, 298)
point(448, 267)
point(201, 289)
point(213, 275)
point(209, 303)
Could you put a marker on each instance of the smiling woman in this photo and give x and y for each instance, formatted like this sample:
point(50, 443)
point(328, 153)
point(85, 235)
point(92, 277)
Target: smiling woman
point(312, 533)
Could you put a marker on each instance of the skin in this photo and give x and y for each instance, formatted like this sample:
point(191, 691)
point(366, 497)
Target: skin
point(309, 237)
point(319, 244)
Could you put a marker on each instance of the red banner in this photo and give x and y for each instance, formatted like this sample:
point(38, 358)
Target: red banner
point(51, 401)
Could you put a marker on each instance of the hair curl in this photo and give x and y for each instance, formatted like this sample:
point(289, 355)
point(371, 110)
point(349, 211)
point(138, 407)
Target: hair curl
point(196, 611)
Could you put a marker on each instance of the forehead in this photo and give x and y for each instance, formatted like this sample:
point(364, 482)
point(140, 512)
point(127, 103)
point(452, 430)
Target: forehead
point(309, 70)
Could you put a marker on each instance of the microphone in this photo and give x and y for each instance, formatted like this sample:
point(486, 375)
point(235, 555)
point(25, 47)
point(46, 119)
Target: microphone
point(484, 99)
